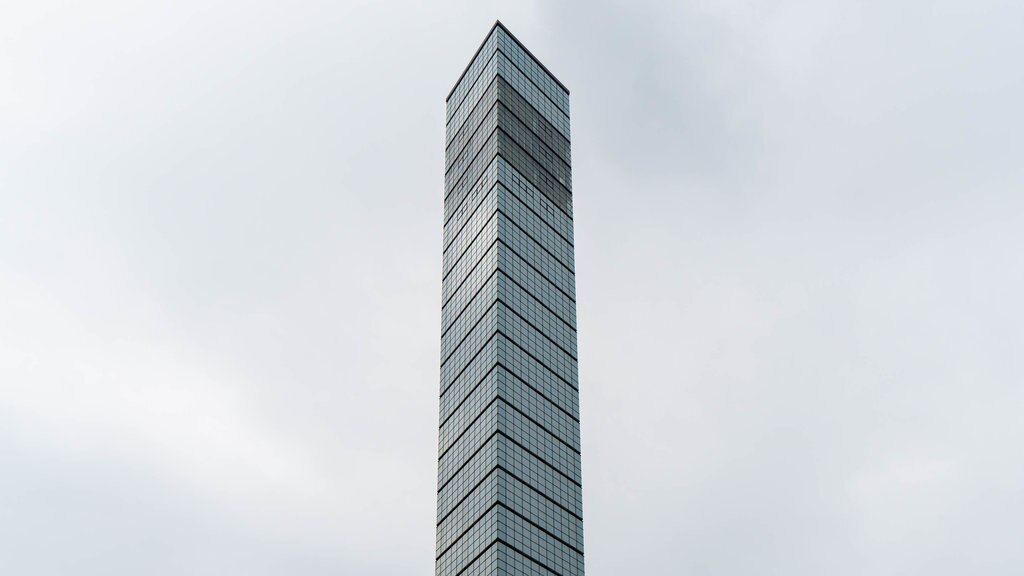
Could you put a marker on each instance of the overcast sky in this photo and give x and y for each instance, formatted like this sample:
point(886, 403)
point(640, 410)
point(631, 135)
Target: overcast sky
point(799, 228)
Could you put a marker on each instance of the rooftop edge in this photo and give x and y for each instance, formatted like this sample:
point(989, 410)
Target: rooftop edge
point(498, 24)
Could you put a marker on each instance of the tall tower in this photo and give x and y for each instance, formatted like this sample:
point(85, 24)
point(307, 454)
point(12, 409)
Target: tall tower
point(508, 479)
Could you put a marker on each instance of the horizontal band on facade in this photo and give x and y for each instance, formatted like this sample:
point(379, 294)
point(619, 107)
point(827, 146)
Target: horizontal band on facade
point(526, 135)
point(469, 273)
point(500, 468)
point(506, 120)
point(469, 302)
point(468, 426)
point(499, 269)
point(457, 114)
point(499, 238)
point(485, 172)
point(469, 363)
point(532, 157)
point(502, 505)
point(483, 197)
point(499, 398)
point(487, 441)
point(471, 491)
point(500, 332)
point(501, 86)
point(498, 540)
point(537, 360)
point(483, 225)
point(498, 152)
point(516, 99)
point(539, 273)
point(470, 392)
point(498, 135)
point(538, 330)
point(476, 79)
point(537, 299)
point(520, 199)
point(451, 156)
point(449, 215)
point(466, 531)
point(547, 532)
point(449, 190)
point(468, 246)
point(499, 364)
point(491, 116)
point(470, 331)
point(499, 329)
point(568, 456)
point(537, 242)
point(469, 459)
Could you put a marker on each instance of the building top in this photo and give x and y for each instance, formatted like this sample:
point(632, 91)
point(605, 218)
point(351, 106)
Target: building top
point(498, 24)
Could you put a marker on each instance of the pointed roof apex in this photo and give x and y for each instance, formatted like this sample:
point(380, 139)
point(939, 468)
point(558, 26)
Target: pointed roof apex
point(498, 24)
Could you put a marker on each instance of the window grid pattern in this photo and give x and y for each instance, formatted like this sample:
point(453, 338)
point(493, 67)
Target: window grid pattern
point(516, 269)
point(499, 385)
point(471, 544)
point(473, 219)
point(535, 313)
point(480, 110)
point(533, 119)
point(471, 315)
point(533, 146)
point(533, 171)
point(535, 544)
point(482, 58)
point(540, 78)
point(558, 217)
point(454, 393)
point(543, 233)
point(513, 563)
point(478, 276)
point(473, 147)
point(477, 502)
point(479, 398)
point(538, 441)
point(509, 497)
point(469, 258)
point(528, 502)
point(456, 218)
point(519, 363)
point(536, 257)
point(480, 85)
point(464, 481)
point(468, 346)
point(488, 564)
point(536, 473)
point(480, 217)
point(529, 91)
point(540, 401)
point(524, 240)
point(537, 406)
point(471, 178)
point(554, 358)
point(499, 415)
point(472, 440)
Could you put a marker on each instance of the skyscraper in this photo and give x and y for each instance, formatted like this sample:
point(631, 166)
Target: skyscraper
point(509, 487)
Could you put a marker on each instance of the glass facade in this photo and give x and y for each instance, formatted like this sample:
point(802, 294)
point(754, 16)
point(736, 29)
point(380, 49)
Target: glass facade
point(508, 473)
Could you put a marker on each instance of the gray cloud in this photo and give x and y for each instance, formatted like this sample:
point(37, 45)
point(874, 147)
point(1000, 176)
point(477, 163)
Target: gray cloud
point(798, 231)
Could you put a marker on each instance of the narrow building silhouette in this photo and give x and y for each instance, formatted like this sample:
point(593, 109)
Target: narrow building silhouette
point(509, 486)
